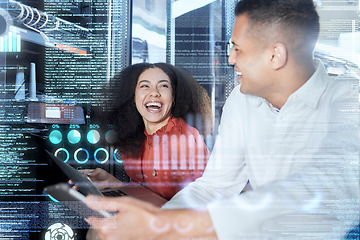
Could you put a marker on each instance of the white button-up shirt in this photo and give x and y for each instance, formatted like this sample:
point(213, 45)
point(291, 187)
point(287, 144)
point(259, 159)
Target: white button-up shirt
point(302, 163)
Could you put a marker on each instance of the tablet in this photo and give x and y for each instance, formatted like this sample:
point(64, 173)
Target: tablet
point(73, 200)
point(83, 183)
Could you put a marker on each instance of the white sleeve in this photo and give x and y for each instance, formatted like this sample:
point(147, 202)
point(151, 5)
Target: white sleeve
point(225, 174)
point(320, 202)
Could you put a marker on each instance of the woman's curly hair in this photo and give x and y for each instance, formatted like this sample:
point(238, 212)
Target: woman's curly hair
point(191, 103)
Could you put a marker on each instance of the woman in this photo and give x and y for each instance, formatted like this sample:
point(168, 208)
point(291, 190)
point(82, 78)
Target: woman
point(159, 149)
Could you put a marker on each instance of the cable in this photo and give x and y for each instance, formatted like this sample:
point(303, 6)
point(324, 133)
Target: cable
point(39, 17)
point(41, 22)
point(17, 90)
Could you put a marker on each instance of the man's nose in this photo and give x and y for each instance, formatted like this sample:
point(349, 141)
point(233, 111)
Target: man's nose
point(232, 58)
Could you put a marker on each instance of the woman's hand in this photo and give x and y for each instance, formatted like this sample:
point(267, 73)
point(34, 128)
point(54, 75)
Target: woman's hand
point(102, 179)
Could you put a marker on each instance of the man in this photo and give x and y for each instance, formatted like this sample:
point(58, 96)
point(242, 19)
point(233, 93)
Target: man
point(285, 163)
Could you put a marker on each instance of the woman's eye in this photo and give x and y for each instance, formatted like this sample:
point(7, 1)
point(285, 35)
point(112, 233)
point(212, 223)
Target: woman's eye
point(164, 85)
point(144, 86)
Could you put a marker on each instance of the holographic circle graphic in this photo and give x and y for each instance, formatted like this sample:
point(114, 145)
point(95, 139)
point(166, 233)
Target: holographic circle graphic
point(59, 231)
point(74, 136)
point(159, 225)
point(106, 155)
point(117, 156)
point(55, 137)
point(183, 224)
point(81, 150)
point(93, 136)
point(110, 136)
point(62, 150)
point(6, 21)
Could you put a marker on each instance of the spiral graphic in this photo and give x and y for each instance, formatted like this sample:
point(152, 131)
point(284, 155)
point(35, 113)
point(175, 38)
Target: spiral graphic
point(59, 231)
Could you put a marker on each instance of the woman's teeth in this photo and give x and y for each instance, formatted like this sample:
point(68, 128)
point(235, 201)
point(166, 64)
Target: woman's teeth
point(153, 105)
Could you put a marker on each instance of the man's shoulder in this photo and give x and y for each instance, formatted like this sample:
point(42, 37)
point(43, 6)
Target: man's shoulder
point(344, 85)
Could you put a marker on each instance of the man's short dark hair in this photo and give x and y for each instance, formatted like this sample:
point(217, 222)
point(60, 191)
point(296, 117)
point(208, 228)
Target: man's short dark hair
point(297, 18)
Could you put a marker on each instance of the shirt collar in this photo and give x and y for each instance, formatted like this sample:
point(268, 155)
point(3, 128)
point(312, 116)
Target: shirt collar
point(255, 101)
point(309, 93)
point(160, 132)
point(312, 90)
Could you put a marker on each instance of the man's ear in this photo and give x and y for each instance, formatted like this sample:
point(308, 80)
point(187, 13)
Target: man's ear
point(279, 56)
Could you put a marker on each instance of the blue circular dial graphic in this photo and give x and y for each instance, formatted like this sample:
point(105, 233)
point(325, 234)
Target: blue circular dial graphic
point(117, 156)
point(55, 137)
point(103, 159)
point(74, 136)
point(64, 154)
point(110, 136)
point(81, 155)
point(93, 136)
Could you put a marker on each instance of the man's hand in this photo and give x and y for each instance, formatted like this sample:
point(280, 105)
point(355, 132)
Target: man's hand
point(102, 179)
point(136, 219)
